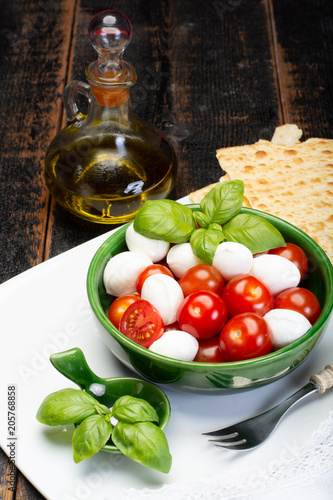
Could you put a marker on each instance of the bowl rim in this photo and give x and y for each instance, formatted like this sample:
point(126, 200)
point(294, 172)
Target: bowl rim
point(326, 311)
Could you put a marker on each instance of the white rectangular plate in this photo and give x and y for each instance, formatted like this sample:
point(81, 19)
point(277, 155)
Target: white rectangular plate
point(46, 310)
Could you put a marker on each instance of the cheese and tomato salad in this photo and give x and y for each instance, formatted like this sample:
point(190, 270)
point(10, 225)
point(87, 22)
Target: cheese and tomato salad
point(240, 307)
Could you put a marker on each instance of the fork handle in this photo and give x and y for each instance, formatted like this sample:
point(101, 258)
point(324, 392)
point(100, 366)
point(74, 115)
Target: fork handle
point(323, 379)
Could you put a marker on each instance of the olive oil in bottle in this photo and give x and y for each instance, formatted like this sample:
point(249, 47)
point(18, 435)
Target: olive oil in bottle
point(102, 166)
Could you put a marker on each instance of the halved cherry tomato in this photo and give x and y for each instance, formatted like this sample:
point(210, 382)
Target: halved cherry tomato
point(142, 323)
point(209, 351)
point(202, 277)
point(149, 271)
point(245, 336)
point(300, 300)
point(119, 306)
point(246, 293)
point(202, 314)
point(296, 255)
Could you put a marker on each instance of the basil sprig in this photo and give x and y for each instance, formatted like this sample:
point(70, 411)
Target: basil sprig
point(223, 201)
point(165, 220)
point(135, 434)
point(219, 220)
point(253, 231)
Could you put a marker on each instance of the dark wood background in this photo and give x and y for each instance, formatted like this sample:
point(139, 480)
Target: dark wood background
point(211, 74)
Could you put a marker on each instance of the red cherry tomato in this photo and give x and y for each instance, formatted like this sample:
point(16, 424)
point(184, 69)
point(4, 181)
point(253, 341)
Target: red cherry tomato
point(119, 306)
point(245, 336)
point(149, 271)
point(246, 293)
point(296, 255)
point(201, 277)
point(142, 323)
point(202, 314)
point(300, 300)
point(209, 351)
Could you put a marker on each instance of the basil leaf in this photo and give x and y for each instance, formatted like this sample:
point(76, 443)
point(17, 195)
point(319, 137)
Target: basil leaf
point(90, 436)
point(130, 409)
point(204, 243)
point(216, 227)
point(165, 220)
point(66, 406)
point(201, 219)
point(255, 232)
point(102, 409)
point(143, 442)
point(223, 201)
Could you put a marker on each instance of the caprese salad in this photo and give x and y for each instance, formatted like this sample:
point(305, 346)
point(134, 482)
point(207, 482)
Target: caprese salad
point(211, 285)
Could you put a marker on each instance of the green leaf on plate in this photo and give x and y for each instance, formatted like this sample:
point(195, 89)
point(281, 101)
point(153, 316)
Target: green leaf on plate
point(130, 409)
point(66, 406)
point(145, 443)
point(90, 436)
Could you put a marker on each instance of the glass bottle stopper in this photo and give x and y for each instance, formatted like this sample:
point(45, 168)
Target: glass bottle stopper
point(110, 77)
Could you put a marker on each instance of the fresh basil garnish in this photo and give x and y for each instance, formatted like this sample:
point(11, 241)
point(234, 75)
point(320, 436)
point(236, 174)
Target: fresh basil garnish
point(135, 434)
point(201, 219)
point(170, 221)
point(90, 436)
point(165, 220)
point(130, 409)
point(145, 443)
point(67, 406)
point(223, 201)
point(204, 243)
point(253, 231)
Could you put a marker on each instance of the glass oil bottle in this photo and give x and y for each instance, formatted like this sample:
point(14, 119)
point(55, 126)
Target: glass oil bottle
point(103, 165)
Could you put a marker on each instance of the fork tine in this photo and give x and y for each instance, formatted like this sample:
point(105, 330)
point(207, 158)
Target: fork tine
point(223, 435)
point(231, 440)
point(223, 432)
point(232, 445)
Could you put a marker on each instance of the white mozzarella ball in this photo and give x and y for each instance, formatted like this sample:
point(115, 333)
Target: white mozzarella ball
point(176, 344)
point(164, 293)
point(136, 242)
point(286, 326)
point(232, 259)
point(121, 271)
point(276, 272)
point(181, 258)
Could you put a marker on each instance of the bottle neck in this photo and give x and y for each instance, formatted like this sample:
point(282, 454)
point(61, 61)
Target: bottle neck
point(110, 88)
point(110, 96)
point(120, 114)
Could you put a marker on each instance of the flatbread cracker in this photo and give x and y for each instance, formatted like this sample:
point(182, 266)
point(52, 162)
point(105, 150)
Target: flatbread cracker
point(196, 196)
point(287, 134)
point(294, 182)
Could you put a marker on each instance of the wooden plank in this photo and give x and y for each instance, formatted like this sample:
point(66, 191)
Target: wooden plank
point(303, 35)
point(8, 476)
point(37, 36)
point(225, 91)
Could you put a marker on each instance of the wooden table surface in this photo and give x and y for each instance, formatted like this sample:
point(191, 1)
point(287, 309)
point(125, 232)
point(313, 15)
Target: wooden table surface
point(211, 74)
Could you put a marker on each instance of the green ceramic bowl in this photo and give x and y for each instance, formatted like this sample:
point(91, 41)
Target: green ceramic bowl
point(215, 377)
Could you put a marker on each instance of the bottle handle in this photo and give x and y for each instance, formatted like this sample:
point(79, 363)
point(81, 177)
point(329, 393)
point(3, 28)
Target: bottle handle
point(70, 103)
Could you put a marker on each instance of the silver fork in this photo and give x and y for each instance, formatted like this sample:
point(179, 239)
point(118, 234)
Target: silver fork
point(253, 431)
